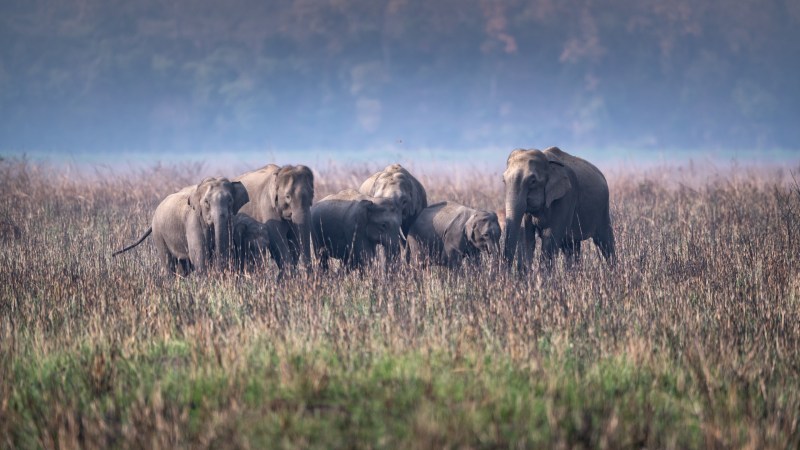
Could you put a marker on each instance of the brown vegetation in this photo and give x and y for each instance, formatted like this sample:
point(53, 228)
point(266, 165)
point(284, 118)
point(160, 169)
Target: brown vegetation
point(692, 340)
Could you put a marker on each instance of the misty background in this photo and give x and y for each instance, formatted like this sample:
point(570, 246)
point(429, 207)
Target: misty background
point(159, 79)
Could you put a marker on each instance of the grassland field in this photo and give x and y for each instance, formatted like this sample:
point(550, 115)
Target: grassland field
point(691, 341)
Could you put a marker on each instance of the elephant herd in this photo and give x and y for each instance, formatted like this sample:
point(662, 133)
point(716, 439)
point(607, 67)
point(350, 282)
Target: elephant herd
point(551, 194)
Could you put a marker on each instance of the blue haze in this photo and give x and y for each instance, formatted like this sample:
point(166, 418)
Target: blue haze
point(94, 79)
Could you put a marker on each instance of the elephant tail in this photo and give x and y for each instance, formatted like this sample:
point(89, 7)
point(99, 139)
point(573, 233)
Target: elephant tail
point(146, 233)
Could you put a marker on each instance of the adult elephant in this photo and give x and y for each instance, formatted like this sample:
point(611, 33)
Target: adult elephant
point(283, 193)
point(192, 226)
point(349, 226)
point(447, 232)
point(397, 183)
point(561, 198)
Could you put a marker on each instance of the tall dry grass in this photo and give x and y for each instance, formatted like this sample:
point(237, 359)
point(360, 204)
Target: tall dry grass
point(692, 340)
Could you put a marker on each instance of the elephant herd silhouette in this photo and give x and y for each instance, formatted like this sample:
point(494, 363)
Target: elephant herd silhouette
point(224, 223)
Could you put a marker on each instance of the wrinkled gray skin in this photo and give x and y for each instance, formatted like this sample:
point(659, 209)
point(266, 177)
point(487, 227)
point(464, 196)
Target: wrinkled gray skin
point(252, 240)
point(397, 183)
point(349, 226)
point(559, 197)
point(192, 226)
point(285, 194)
point(446, 233)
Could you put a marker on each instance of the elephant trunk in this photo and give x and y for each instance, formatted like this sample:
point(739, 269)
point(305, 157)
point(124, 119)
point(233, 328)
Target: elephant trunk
point(393, 248)
point(302, 229)
point(515, 209)
point(494, 249)
point(222, 237)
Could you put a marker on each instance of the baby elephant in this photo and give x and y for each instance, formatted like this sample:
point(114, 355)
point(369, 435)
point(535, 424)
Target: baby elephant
point(447, 232)
point(349, 226)
point(253, 239)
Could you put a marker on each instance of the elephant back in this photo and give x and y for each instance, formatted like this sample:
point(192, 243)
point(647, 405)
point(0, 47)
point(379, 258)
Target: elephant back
point(592, 188)
point(340, 209)
point(257, 184)
point(397, 182)
point(585, 171)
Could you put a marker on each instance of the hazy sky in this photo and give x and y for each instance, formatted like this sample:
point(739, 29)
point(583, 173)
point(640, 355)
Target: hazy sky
point(203, 76)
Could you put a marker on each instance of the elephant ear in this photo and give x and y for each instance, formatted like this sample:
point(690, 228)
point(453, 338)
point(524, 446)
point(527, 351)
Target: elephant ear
point(379, 206)
point(238, 230)
point(419, 196)
point(558, 184)
point(199, 192)
point(456, 232)
point(307, 176)
point(470, 227)
point(240, 196)
point(272, 189)
point(365, 209)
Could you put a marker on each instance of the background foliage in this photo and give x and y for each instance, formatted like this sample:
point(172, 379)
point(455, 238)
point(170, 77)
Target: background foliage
point(200, 75)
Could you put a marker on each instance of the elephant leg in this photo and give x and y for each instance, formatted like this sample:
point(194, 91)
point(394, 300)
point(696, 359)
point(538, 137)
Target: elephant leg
point(294, 248)
point(367, 257)
point(199, 250)
point(185, 267)
point(322, 254)
point(241, 258)
point(527, 244)
point(279, 249)
point(392, 260)
point(552, 242)
point(171, 265)
point(605, 242)
point(258, 262)
point(277, 254)
point(168, 261)
point(572, 251)
point(559, 232)
point(474, 259)
point(364, 256)
point(453, 258)
point(549, 247)
point(352, 262)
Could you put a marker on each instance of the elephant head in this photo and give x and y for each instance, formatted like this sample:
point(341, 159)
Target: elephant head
point(383, 224)
point(291, 194)
point(397, 183)
point(482, 230)
point(216, 201)
point(249, 238)
point(534, 180)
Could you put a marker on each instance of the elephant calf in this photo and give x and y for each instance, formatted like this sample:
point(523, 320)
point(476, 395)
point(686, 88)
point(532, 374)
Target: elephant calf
point(446, 233)
point(349, 226)
point(253, 239)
